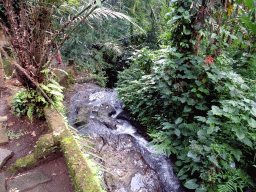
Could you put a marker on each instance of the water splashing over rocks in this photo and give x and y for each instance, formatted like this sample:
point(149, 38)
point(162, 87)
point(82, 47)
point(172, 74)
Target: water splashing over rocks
point(130, 162)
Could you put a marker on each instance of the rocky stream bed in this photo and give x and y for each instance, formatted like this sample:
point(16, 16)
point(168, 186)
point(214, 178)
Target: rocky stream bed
point(131, 163)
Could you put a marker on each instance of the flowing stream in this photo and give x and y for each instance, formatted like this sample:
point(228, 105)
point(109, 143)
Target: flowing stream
point(105, 118)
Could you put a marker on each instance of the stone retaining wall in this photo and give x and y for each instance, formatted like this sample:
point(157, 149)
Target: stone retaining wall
point(81, 173)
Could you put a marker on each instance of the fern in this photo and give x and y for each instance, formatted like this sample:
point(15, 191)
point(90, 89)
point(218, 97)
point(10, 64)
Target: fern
point(229, 186)
point(31, 102)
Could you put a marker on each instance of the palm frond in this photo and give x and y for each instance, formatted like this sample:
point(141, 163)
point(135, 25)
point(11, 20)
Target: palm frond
point(104, 12)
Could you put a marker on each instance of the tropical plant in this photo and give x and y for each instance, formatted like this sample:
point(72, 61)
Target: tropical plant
point(32, 102)
point(197, 96)
point(32, 35)
point(206, 117)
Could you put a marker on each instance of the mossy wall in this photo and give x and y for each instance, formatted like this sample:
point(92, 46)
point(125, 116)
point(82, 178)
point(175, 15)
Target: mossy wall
point(81, 173)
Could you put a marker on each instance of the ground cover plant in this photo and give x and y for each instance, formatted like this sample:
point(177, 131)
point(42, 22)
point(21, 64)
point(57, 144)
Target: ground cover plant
point(196, 96)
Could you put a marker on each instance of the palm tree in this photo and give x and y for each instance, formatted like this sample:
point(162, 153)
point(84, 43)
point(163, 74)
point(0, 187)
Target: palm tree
point(32, 34)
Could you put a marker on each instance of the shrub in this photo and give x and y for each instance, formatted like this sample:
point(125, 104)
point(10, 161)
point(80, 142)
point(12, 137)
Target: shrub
point(203, 115)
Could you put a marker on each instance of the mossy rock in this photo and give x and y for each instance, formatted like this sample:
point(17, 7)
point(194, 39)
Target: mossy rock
point(23, 163)
point(44, 146)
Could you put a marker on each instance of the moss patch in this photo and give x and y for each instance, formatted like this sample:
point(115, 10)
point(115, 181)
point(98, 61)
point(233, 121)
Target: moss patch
point(44, 146)
point(22, 163)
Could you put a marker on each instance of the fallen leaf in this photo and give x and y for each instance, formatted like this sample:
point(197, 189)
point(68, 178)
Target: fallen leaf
point(33, 133)
point(12, 123)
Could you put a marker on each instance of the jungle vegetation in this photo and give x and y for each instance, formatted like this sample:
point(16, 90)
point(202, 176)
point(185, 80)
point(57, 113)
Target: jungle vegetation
point(184, 69)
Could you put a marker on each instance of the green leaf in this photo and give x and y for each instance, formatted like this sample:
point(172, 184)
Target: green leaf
point(56, 93)
point(213, 159)
point(252, 122)
point(201, 190)
point(44, 87)
point(178, 121)
point(214, 36)
point(202, 119)
point(201, 135)
point(233, 37)
point(217, 111)
point(192, 155)
point(239, 133)
point(177, 132)
point(182, 100)
point(237, 154)
point(173, 20)
point(181, 9)
point(30, 112)
point(167, 125)
point(178, 163)
point(187, 109)
point(247, 141)
point(55, 87)
point(98, 2)
point(253, 111)
point(191, 184)
point(249, 3)
point(182, 171)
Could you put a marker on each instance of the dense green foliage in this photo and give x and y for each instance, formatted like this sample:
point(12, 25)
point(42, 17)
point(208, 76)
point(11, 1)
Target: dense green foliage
point(103, 45)
point(197, 95)
point(203, 115)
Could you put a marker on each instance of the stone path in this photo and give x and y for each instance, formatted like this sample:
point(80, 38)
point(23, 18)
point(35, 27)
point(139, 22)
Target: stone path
point(51, 175)
point(5, 154)
point(2, 182)
point(3, 136)
point(28, 181)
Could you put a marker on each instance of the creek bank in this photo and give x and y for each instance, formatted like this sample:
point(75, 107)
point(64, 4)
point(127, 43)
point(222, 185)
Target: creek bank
point(128, 161)
point(20, 138)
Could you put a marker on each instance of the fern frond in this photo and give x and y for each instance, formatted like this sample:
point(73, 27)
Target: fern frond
point(229, 186)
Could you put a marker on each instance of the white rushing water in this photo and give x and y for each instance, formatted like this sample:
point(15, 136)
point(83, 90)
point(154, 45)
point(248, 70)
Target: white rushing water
point(159, 163)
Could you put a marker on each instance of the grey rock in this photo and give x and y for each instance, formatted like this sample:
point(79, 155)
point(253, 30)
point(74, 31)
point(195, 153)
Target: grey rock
point(39, 188)
point(3, 137)
point(27, 181)
point(2, 182)
point(5, 154)
point(137, 182)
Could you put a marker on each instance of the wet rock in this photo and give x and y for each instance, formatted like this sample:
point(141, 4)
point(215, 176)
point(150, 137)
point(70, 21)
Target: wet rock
point(137, 182)
point(3, 137)
point(128, 160)
point(123, 162)
point(100, 113)
point(2, 182)
point(83, 116)
point(4, 156)
point(27, 181)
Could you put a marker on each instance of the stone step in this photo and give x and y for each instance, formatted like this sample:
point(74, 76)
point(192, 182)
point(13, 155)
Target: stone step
point(29, 181)
point(3, 137)
point(2, 182)
point(39, 188)
point(5, 154)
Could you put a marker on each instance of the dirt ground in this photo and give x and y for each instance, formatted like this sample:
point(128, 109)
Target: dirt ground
point(22, 139)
